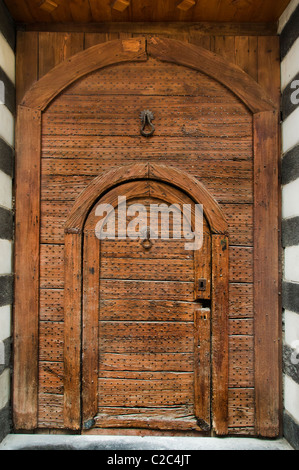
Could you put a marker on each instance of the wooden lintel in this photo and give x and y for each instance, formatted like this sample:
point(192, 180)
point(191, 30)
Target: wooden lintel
point(200, 28)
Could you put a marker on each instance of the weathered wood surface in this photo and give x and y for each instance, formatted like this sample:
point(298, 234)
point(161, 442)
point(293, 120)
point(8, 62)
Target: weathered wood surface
point(155, 284)
point(90, 155)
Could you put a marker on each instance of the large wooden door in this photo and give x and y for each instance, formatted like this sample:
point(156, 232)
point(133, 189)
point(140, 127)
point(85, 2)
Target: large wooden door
point(146, 315)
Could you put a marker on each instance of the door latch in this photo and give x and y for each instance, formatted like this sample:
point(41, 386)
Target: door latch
point(147, 117)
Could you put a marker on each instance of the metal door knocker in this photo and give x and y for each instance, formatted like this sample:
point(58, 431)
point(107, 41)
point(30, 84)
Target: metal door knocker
point(147, 117)
point(147, 243)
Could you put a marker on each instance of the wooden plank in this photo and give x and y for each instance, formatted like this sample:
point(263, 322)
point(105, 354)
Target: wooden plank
point(51, 341)
point(208, 168)
point(269, 67)
point(145, 310)
point(51, 266)
point(81, 115)
point(220, 287)
point(151, 78)
point(225, 47)
point(115, 149)
point(266, 276)
point(154, 362)
point(51, 306)
point(241, 408)
point(202, 366)
point(54, 48)
point(163, 418)
point(246, 54)
point(51, 377)
point(168, 28)
point(241, 264)
point(228, 74)
point(224, 190)
point(50, 411)
point(80, 64)
point(92, 39)
point(240, 223)
point(147, 393)
point(72, 332)
point(26, 62)
point(90, 325)
point(155, 337)
point(241, 300)
point(147, 269)
point(155, 290)
point(26, 308)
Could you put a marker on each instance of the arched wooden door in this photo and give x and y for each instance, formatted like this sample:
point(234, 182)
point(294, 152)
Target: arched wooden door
point(146, 311)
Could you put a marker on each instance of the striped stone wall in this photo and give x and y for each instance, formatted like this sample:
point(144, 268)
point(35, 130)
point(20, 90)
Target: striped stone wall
point(7, 118)
point(289, 33)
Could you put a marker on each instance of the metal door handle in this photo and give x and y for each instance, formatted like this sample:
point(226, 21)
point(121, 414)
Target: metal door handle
point(146, 117)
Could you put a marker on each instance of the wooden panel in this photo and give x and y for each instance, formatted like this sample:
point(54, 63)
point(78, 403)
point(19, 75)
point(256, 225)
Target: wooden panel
point(57, 47)
point(142, 389)
point(51, 341)
point(241, 300)
point(266, 275)
point(50, 411)
point(160, 148)
point(72, 342)
point(153, 337)
point(26, 269)
point(51, 377)
point(145, 10)
point(90, 331)
point(241, 264)
point(148, 269)
point(156, 79)
point(163, 418)
point(241, 408)
point(198, 58)
point(162, 361)
point(80, 64)
point(220, 288)
point(91, 155)
point(120, 115)
point(51, 305)
point(26, 63)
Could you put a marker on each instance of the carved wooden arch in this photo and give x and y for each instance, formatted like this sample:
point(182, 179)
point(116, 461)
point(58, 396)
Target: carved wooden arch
point(266, 213)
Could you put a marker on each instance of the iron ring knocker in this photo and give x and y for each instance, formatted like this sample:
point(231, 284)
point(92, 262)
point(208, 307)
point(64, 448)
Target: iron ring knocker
point(147, 117)
point(147, 243)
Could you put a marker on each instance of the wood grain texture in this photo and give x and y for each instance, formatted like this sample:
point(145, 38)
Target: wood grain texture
point(80, 64)
point(26, 313)
point(226, 172)
point(266, 275)
point(229, 75)
point(72, 332)
point(144, 10)
point(157, 331)
point(220, 250)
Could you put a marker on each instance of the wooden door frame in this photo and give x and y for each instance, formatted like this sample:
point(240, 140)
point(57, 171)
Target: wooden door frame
point(266, 215)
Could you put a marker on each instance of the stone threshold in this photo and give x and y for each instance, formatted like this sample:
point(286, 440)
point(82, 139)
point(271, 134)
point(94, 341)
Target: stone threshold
point(125, 443)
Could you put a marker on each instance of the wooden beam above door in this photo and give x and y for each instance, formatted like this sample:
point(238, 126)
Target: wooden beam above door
point(93, 11)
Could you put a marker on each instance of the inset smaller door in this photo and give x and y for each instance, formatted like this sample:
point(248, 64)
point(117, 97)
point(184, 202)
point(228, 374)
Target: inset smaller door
point(146, 311)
